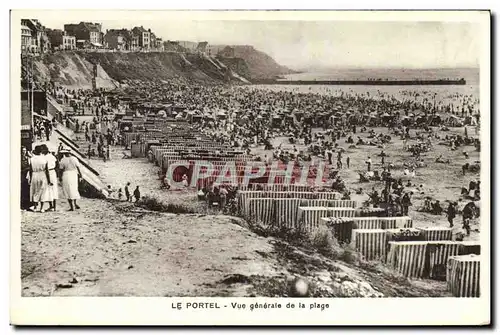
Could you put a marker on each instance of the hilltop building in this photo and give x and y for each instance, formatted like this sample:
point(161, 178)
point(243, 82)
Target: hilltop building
point(39, 42)
point(118, 39)
point(144, 37)
point(86, 33)
point(25, 38)
point(61, 40)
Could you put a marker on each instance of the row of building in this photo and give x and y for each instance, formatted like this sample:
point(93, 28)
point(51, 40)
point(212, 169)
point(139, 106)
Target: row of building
point(35, 38)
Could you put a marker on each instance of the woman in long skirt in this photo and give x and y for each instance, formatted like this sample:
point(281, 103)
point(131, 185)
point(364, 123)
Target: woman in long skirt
point(40, 181)
point(51, 165)
point(25, 185)
point(70, 168)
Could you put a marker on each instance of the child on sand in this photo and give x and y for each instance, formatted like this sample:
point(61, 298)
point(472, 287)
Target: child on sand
point(137, 194)
point(127, 192)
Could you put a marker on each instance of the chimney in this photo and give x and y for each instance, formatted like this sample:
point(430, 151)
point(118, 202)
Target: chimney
point(149, 30)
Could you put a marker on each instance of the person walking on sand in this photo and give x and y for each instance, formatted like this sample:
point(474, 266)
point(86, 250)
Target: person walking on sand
point(369, 163)
point(223, 196)
point(71, 173)
point(348, 161)
point(107, 152)
point(39, 180)
point(451, 212)
point(52, 166)
point(137, 194)
point(405, 203)
point(127, 192)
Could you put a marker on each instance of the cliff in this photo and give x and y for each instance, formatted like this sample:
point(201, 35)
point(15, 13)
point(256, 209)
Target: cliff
point(237, 65)
point(260, 65)
point(71, 70)
point(74, 68)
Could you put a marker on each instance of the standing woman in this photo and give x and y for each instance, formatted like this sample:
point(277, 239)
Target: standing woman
point(39, 179)
point(25, 185)
point(70, 169)
point(51, 165)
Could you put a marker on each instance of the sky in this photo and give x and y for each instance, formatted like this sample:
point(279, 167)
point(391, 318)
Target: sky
point(324, 44)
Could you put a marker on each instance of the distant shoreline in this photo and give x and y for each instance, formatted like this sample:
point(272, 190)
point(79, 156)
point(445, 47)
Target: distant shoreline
point(378, 82)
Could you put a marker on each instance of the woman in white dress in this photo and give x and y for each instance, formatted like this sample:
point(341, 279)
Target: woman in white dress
point(51, 165)
point(40, 181)
point(70, 168)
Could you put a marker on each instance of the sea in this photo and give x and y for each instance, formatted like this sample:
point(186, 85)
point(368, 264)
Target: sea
point(456, 95)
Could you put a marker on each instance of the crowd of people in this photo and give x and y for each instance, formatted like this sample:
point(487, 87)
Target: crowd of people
point(83, 101)
point(43, 128)
point(99, 134)
point(322, 125)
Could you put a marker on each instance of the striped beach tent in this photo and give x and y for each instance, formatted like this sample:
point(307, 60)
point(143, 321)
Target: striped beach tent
point(408, 258)
point(463, 274)
point(262, 210)
point(470, 247)
point(370, 243)
point(309, 218)
point(437, 233)
point(286, 211)
point(438, 254)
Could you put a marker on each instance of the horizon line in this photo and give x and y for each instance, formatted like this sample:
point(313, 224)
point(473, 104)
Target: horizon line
point(366, 67)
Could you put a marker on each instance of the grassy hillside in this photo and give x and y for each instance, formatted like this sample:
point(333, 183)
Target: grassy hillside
point(74, 69)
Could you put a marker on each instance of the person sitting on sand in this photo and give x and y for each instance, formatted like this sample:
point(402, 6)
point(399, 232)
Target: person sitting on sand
point(346, 195)
point(201, 194)
point(110, 190)
point(185, 182)
point(165, 183)
point(465, 167)
point(427, 205)
point(477, 194)
point(436, 208)
point(441, 160)
point(120, 194)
